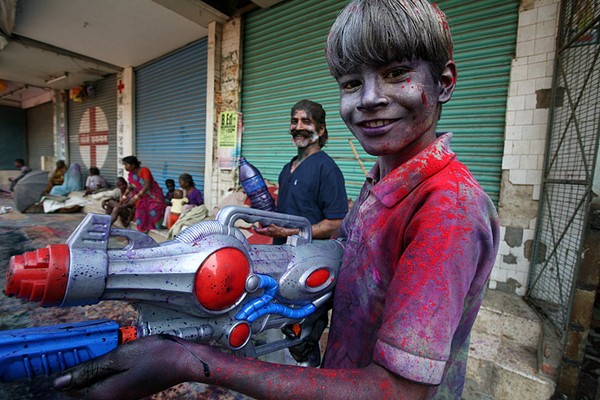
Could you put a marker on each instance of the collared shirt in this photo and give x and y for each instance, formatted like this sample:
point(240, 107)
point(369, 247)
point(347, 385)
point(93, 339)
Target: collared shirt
point(421, 243)
point(314, 190)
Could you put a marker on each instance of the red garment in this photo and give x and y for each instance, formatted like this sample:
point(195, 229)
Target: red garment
point(150, 207)
point(172, 219)
point(421, 243)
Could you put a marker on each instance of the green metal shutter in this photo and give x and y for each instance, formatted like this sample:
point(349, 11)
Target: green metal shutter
point(284, 62)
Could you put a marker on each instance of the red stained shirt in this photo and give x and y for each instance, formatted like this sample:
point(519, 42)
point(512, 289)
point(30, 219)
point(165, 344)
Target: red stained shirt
point(421, 244)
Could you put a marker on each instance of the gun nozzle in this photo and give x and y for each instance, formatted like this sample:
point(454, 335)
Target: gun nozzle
point(39, 275)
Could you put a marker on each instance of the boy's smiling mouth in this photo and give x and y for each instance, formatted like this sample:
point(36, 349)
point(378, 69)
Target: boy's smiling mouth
point(376, 123)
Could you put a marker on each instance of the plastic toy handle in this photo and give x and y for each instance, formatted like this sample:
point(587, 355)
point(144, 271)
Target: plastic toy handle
point(32, 352)
point(230, 214)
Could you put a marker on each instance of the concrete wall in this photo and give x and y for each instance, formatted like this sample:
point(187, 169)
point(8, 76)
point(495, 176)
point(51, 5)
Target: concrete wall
point(525, 141)
point(227, 98)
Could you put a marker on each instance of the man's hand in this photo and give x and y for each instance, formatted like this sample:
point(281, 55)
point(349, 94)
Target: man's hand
point(277, 231)
point(132, 371)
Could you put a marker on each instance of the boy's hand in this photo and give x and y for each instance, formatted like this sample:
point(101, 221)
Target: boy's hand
point(133, 370)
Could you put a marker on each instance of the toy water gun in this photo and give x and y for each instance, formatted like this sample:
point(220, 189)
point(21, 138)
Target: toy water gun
point(207, 285)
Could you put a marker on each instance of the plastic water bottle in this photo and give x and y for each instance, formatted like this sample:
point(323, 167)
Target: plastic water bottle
point(255, 187)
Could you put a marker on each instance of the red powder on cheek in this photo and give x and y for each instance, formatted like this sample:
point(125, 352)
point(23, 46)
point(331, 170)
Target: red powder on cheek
point(424, 99)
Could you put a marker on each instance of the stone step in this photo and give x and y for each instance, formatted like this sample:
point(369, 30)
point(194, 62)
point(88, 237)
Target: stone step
point(500, 369)
point(506, 358)
point(507, 315)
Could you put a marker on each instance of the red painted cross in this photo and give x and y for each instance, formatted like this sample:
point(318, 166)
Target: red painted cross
point(120, 86)
point(93, 138)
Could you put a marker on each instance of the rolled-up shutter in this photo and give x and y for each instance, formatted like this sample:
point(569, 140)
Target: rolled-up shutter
point(284, 62)
point(93, 130)
point(171, 114)
point(40, 134)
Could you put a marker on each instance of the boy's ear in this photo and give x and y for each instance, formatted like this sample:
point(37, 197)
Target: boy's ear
point(447, 82)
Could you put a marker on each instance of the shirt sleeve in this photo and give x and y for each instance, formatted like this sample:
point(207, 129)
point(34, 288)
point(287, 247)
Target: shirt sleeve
point(333, 200)
point(434, 287)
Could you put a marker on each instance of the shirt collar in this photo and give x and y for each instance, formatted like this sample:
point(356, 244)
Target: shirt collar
point(400, 182)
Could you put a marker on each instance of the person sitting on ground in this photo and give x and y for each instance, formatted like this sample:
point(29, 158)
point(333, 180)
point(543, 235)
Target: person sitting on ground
point(120, 205)
point(94, 181)
point(177, 203)
point(20, 165)
point(194, 196)
point(73, 182)
point(57, 176)
point(170, 184)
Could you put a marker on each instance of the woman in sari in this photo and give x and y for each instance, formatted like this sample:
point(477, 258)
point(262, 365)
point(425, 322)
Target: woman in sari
point(73, 182)
point(147, 195)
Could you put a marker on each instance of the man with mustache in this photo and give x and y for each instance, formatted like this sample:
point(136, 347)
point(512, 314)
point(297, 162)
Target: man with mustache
point(311, 184)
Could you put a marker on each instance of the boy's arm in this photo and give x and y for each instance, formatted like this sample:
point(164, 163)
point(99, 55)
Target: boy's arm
point(155, 363)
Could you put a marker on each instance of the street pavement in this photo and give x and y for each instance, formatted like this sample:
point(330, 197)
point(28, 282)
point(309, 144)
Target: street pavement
point(25, 232)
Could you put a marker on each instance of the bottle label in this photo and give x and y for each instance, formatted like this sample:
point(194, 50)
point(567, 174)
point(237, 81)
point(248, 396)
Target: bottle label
point(254, 184)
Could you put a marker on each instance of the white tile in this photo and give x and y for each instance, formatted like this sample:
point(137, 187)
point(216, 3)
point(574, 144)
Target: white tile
point(525, 49)
point(515, 103)
point(537, 58)
point(538, 146)
point(550, 68)
point(534, 177)
point(508, 147)
point(528, 162)
point(541, 159)
point(537, 70)
point(492, 284)
point(528, 234)
point(510, 118)
point(525, 33)
point(543, 83)
point(521, 147)
point(518, 177)
point(518, 72)
point(544, 45)
point(533, 132)
point(524, 117)
point(533, 223)
point(499, 275)
point(526, 88)
point(511, 162)
point(514, 132)
point(530, 102)
point(540, 117)
point(547, 12)
point(503, 248)
point(528, 17)
point(546, 28)
point(536, 192)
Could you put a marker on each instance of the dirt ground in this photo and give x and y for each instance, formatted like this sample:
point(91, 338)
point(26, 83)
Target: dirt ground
point(25, 232)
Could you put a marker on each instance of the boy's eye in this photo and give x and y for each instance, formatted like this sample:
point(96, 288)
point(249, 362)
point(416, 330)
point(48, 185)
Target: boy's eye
point(398, 73)
point(350, 85)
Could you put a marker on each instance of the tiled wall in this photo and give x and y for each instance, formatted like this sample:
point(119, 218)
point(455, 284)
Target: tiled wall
point(525, 141)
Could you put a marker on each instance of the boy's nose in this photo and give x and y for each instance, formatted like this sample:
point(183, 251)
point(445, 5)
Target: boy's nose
point(371, 95)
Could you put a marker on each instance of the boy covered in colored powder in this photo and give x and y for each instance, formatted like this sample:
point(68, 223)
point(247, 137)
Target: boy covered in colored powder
point(421, 240)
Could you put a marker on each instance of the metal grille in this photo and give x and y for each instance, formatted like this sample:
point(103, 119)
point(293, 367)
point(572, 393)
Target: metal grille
point(570, 159)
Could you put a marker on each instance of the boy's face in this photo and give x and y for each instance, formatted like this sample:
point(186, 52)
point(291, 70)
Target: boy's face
point(393, 109)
